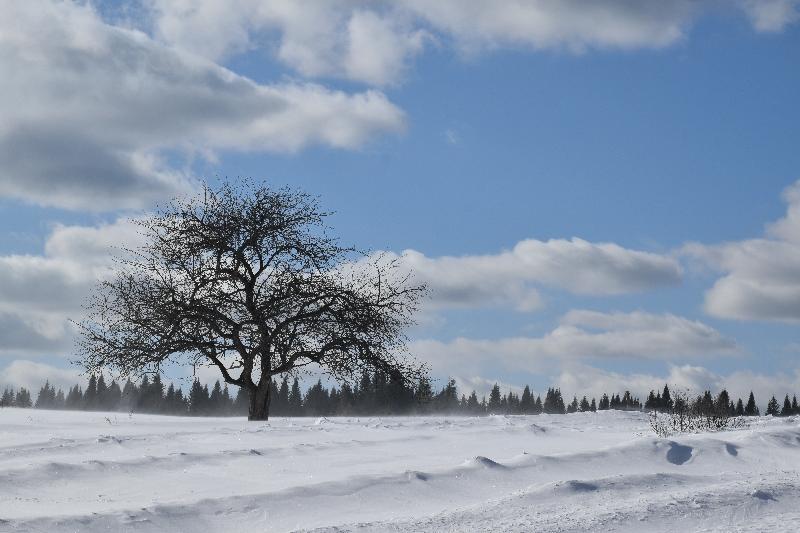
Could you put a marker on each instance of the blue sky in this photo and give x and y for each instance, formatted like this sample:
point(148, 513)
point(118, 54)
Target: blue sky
point(663, 137)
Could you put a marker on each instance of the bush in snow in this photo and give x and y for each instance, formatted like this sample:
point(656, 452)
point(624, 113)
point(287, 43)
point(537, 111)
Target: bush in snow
point(695, 417)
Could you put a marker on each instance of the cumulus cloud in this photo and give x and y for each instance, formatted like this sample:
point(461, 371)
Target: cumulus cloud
point(359, 40)
point(510, 278)
point(32, 376)
point(91, 112)
point(374, 42)
point(38, 293)
point(581, 334)
point(762, 276)
point(771, 15)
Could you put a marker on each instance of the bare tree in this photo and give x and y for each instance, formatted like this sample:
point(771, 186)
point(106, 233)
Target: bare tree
point(247, 279)
point(686, 417)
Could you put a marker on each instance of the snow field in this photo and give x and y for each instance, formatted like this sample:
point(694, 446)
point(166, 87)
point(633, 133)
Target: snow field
point(605, 471)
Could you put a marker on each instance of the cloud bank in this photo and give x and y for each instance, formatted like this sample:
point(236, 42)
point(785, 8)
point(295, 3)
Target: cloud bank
point(93, 112)
point(511, 278)
point(375, 42)
point(581, 334)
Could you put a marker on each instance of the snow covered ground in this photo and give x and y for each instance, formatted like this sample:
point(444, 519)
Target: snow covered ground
point(74, 471)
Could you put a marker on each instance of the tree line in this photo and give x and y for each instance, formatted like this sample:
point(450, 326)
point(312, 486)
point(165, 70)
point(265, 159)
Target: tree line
point(374, 394)
point(706, 404)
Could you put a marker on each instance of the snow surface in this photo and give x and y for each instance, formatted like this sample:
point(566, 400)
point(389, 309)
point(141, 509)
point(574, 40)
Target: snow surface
point(606, 471)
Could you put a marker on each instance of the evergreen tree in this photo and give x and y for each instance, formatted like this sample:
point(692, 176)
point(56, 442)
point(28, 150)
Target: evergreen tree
point(573, 405)
point(241, 404)
point(666, 399)
point(295, 400)
point(554, 402)
point(198, 399)
point(772, 407)
point(155, 396)
point(605, 403)
point(751, 409)
point(130, 396)
point(60, 399)
point(74, 398)
point(473, 406)
point(722, 403)
point(316, 401)
point(47, 397)
point(227, 401)
point(593, 406)
point(90, 396)
point(23, 398)
point(651, 402)
point(526, 401)
point(494, 400)
point(102, 394)
point(365, 397)
point(795, 408)
point(787, 407)
point(584, 405)
point(7, 400)
point(280, 404)
point(113, 396)
point(739, 408)
point(447, 399)
point(215, 400)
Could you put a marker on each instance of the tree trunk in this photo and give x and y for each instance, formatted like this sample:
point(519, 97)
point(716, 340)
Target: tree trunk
point(259, 401)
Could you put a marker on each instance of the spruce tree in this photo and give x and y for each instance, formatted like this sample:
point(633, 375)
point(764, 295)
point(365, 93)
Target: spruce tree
point(198, 399)
point(7, 399)
point(473, 406)
point(526, 401)
point(739, 408)
point(666, 399)
point(102, 394)
point(787, 407)
point(494, 400)
point(605, 403)
point(722, 403)
point(295, 399)
point(772, 407)
point(129, 397)
point(751, 409)
point(215, 400)
point(584, 405)
point(23, 398)
point(90, 396)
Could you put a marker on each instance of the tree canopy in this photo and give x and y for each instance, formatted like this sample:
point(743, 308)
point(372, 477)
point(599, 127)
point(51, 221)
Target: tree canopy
point(247, 279)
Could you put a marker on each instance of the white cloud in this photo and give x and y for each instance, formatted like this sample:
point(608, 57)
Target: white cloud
point(570, 24)
point(374, 42)
point(92, 111)
point(762, 276)
point(580, 334)
point(510, 278)
point(360, 40)
point(32, 376)
point(771, 15)
point(39, 293)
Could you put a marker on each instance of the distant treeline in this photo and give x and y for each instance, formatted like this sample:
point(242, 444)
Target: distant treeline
point(722, 404)
point(374, 394)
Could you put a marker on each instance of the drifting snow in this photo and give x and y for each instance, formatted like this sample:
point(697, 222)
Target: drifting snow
point(73, 471)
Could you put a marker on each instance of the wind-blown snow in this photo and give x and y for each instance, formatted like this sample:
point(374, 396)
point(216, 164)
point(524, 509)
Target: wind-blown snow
point(75, 471)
